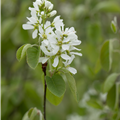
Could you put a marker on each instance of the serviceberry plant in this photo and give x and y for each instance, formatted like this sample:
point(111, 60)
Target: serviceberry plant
point(56, 48)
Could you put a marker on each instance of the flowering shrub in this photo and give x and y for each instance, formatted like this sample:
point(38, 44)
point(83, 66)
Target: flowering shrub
point(56, 47)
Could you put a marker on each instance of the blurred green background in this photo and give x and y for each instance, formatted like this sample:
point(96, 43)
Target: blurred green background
point(22, 87)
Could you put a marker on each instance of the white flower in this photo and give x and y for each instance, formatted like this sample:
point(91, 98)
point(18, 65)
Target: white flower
point(47, 32)
point(67, 63)
point(47, 49)
point(56, 60)
point(32, 24)
point(58, 23)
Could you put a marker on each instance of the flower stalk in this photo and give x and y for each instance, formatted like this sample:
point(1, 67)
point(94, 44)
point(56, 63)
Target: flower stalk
point(44, 66)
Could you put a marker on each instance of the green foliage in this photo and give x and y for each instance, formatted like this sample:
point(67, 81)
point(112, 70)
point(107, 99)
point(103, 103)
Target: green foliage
point(107, 6)
point(72, 85)
point(110, 81)
point(105, 56)
point(111, 97)
point(33, 55)
point(21, 52)
point(56, 85)
point(94, 104)
point(33, 114)
point(54, 99)
point(24, 85)
point(114, 25)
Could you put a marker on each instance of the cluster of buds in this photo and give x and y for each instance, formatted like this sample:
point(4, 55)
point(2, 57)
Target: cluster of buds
point(56, 42)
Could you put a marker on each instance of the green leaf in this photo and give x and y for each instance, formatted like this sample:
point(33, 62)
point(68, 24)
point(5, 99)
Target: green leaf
point(56, 85)
point(94, 104)
point(111, 97)
point(105, 55)
point(114, 25)
point(22, 51)
point(33, 55)
point(54, 99)
point(109, 82)
point(72, 85)
point(107, 6)
point(33, 114)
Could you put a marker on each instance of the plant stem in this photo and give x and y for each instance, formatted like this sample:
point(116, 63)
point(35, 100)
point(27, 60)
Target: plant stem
point(44, 66)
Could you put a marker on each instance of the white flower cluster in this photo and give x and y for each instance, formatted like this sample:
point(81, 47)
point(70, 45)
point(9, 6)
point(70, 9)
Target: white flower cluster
point(58, 43)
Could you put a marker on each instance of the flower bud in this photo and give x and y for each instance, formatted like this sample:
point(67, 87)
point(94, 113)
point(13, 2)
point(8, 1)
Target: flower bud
point(51, 7)
point(42, 13)
point(53, 13)
point(48, 4)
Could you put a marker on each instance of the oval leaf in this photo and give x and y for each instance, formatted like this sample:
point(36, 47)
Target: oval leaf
point(110, 81)
point(56, 85)
point(22, 51)
point(54, 99)
point(72, 85)
point(105, 56)
point(33, 55)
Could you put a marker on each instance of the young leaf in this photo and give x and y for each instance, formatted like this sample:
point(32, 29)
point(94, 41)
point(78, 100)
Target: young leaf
point(22, 51)
point(107, 6)
point(56, 85)
point(105, 55)
point(109, 82)
point(33, 114)
point(111, 97)
point(54, 99)
point(114, 25)
point(72, 85)
point(33, 55)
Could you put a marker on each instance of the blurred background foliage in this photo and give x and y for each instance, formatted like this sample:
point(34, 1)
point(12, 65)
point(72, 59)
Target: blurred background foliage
point(22, 87)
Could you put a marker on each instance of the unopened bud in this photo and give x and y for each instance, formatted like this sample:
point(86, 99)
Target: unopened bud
point(42, 13)
point(53, 13)
point(47, 4)
point(51, 7)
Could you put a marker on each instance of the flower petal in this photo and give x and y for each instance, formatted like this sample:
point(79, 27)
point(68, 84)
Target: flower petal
point(27, 26)
point(34, 34)
point(56, 60)
point(43, 59)
point(65, 57)
point(75, 53)
point(72, 70)
point(65, 47)
point(76, 42)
